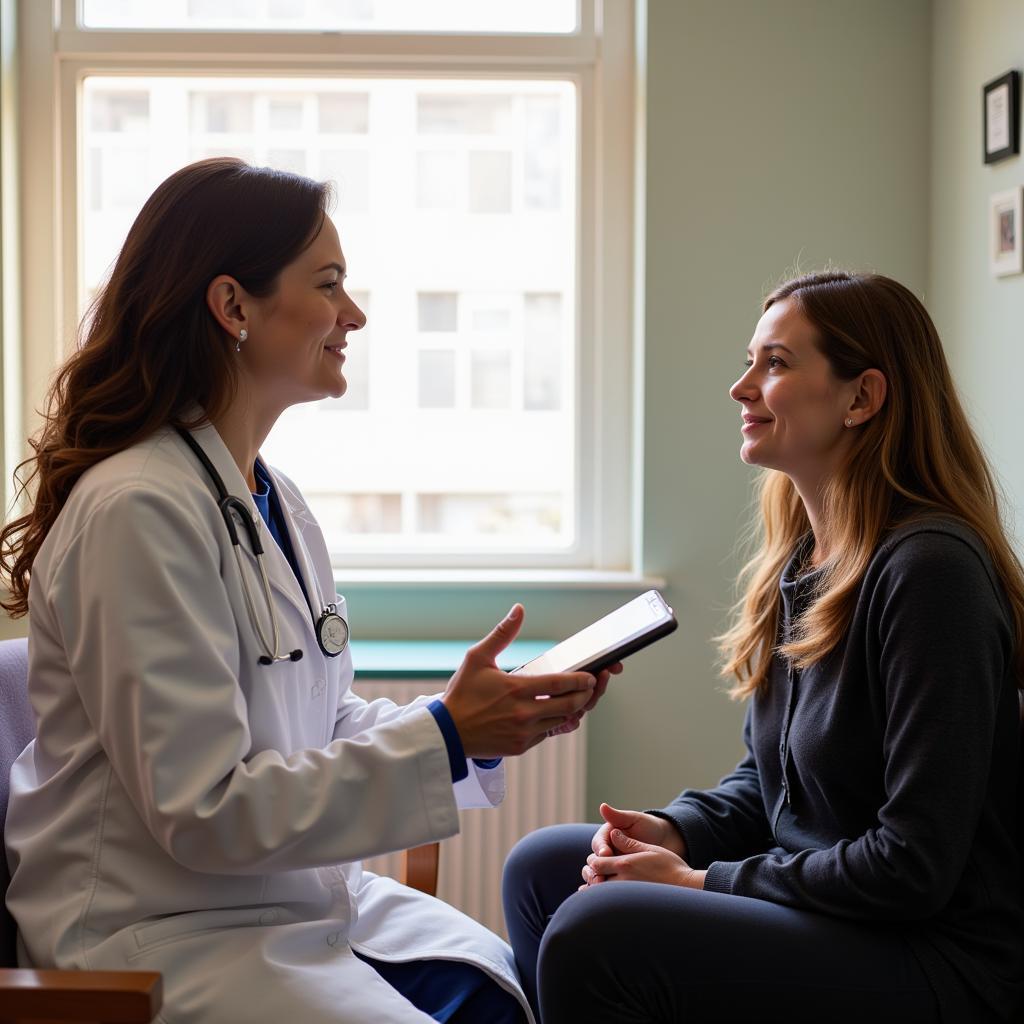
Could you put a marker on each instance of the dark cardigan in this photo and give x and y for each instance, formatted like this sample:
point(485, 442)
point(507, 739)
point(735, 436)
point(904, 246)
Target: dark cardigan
point(880, 784)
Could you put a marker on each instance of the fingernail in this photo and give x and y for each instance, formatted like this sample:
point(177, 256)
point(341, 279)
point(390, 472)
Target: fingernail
point(512, 612)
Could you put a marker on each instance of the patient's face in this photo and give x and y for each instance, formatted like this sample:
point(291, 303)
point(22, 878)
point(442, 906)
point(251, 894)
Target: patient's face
point(793, 405)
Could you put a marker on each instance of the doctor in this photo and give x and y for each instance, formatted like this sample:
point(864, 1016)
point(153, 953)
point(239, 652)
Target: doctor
point(204, 782)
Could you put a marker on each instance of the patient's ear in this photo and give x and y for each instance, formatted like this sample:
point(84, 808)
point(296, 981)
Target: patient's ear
point(872, 387)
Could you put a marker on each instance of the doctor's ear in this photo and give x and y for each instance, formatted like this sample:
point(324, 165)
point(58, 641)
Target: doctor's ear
point(226, 299)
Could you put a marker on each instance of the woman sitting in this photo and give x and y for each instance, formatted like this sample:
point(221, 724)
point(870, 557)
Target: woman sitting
point(860, 862)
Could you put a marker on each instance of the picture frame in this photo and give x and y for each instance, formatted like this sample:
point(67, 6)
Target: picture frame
point(1005, 232)
point(1001, 117)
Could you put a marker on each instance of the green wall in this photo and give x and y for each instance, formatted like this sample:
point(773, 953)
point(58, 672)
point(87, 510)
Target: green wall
point(980, 317)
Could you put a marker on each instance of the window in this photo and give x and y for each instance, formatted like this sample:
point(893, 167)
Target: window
point(335, 15)
point(488, 409)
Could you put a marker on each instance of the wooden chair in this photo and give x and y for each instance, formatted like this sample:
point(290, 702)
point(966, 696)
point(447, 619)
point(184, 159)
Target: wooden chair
point(97, 997)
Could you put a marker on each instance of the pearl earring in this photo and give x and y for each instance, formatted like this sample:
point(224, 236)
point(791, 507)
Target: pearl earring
point(849, 422)
point(242, 335)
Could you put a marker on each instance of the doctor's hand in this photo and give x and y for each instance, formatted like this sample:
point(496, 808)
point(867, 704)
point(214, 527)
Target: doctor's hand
point(499, 714)
point(602, 684)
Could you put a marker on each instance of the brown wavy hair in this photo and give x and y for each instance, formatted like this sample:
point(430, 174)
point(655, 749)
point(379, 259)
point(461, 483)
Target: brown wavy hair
point(149, 347)
point(917, 456)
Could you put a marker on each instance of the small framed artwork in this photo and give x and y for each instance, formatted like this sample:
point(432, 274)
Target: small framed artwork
point(1004, 232)
point(1001, 110)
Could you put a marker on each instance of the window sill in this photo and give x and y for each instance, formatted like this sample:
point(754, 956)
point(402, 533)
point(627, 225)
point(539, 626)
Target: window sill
point(348, 580)
point(422, 659)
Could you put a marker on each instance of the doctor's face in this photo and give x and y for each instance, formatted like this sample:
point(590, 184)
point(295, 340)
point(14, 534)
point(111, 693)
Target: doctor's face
point(298, 335)
point(793, 403)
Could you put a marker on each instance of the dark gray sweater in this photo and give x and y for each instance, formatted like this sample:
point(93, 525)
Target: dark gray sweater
point(880, 784)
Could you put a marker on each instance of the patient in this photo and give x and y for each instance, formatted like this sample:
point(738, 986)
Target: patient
point(859, 863)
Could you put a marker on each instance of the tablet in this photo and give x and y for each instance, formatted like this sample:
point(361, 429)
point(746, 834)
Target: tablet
point(620, 633)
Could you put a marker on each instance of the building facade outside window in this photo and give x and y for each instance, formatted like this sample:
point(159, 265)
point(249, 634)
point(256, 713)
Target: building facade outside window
point(481, 156)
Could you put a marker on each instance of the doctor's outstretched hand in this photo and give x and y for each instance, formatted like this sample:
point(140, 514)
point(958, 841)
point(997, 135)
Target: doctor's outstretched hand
point(499, 714)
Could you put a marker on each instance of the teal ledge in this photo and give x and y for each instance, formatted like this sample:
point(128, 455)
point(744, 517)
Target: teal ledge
point(405, 659)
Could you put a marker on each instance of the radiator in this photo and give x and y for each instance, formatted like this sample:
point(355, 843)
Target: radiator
point(544, 787)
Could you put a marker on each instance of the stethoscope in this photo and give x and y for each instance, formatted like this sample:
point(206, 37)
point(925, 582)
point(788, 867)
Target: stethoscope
point(331, 629)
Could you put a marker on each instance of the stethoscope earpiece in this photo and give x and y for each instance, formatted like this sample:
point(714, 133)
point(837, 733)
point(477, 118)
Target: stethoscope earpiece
point(265, 659)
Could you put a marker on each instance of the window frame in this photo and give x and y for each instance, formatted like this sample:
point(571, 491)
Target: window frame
point(57, 54)
point(11, 443)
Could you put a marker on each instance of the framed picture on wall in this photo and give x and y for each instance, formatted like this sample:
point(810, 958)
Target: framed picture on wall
point(1001, 116)
point(1004, 247)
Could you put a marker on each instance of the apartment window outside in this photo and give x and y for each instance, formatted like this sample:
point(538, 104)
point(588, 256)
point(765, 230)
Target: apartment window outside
point(335, 15)
point(463, 437)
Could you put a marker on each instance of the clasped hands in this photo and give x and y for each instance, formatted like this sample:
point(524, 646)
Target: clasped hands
point(632, 846)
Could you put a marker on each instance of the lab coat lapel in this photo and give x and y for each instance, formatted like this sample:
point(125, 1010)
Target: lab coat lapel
point(279, 572)
point(311, 584)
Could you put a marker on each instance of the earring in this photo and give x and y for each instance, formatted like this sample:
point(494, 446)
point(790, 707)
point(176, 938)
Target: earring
point(849, 422)
point(242, 335)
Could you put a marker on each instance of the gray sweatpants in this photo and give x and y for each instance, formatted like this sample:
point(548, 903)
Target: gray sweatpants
point(642, 952)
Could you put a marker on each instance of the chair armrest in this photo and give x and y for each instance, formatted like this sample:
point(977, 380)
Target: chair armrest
point(419, 869)
point(111, 997)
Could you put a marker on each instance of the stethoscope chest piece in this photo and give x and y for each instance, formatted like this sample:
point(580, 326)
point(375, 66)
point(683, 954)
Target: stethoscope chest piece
point(331, 632)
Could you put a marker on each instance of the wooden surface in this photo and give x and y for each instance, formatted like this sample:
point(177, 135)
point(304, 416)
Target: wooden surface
point(420, 871)
point(103, 997)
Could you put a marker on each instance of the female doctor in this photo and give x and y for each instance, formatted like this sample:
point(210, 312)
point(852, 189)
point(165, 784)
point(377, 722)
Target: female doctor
point(204, 782)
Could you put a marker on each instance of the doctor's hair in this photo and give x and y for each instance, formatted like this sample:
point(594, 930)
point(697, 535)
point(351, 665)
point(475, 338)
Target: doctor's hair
point(916, 457)
point(149, 348)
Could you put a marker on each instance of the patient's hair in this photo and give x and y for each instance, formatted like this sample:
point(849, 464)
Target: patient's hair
point(149, 347)
point(917, 456)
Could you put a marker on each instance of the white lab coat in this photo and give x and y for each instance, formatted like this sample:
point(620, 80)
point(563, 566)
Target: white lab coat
point(186, 810)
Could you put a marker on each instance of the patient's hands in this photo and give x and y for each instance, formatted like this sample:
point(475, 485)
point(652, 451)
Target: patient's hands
point(638, 847)
point(647, 828)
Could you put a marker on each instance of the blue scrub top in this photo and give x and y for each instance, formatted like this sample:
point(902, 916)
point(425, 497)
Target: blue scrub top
point(269, 504)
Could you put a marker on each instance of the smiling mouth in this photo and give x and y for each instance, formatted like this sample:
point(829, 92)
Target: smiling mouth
point(335, 351)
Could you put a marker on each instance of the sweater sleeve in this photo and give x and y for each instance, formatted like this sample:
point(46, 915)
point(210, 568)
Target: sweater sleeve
point(943, 643)
point(728, 821)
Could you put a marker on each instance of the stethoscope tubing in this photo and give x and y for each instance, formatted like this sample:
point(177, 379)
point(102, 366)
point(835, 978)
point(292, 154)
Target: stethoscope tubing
point(229, 507)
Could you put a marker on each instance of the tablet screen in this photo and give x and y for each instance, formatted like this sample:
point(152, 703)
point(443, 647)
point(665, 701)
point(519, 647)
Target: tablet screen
point(618, 631)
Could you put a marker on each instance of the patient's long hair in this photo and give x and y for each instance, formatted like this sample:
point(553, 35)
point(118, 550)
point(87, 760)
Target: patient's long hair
point(149, 347)
point(917, 456)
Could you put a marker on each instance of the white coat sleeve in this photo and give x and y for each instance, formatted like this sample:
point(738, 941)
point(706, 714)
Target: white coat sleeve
point(482, 787)
point(152, 645)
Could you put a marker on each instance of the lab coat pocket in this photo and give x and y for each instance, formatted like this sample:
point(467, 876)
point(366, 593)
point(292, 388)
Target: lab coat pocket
point(176, 927)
